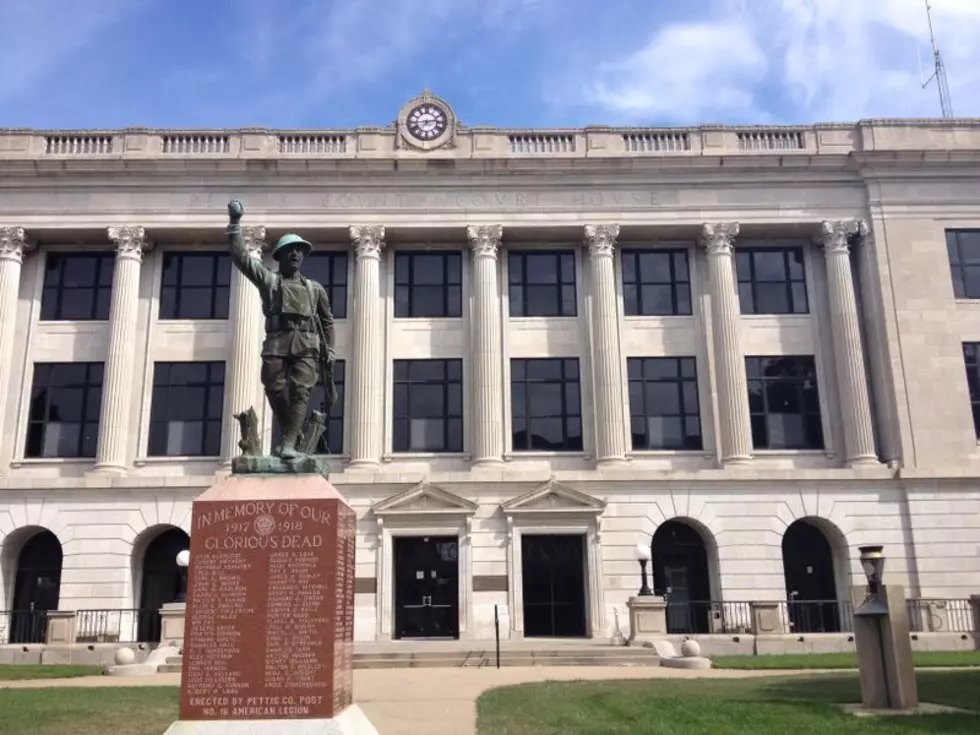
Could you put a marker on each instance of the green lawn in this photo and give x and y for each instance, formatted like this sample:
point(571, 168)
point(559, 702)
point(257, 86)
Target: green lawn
point(839, 660)
point(10, 672)
point(763, 706)
point(87, 711)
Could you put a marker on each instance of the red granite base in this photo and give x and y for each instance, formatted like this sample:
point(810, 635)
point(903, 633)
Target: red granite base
point(270, 604)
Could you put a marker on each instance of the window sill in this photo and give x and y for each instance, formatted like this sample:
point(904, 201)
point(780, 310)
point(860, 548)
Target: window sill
point(428, 319)
point(645, 453)
point(52, 323)
point(143, 461)
point(762, 317)
point(791, 453)
point(511, 456)
point(541, 319)
point(651, 317)
point(395, 456)
point(50, 461)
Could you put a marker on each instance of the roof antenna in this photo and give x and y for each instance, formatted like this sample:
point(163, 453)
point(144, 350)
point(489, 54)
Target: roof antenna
point(939, 73)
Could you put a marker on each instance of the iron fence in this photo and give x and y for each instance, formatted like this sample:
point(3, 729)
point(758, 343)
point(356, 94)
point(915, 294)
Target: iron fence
point(929, 615)
point(23, 626)
point(688, 617)
point(117, 626)
point(817, 616)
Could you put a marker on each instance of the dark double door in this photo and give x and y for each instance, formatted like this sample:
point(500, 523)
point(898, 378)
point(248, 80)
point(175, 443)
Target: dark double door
point(426, 587)
point(553, 571)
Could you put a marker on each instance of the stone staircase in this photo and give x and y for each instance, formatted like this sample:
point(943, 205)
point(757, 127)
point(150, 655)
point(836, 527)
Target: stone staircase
point(459, 654)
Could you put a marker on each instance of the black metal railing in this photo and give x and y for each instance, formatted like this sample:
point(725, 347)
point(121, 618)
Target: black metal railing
point(690, 617)
point(117, 626)
point(817, 616)
point(930, 615)
point(23, 626)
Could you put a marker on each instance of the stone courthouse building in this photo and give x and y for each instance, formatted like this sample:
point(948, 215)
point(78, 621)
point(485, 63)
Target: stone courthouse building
point(754, 349)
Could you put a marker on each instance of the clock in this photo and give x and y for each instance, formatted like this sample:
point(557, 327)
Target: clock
point(426, 121)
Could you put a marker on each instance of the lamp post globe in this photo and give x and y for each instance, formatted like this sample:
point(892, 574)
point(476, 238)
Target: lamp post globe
point(183, 561)
point(643, 555)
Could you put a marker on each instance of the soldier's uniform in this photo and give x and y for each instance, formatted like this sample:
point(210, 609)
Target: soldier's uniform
point(291, 351)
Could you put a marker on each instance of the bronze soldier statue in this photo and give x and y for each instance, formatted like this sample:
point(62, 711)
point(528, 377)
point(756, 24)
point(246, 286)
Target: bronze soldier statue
point(299, 332)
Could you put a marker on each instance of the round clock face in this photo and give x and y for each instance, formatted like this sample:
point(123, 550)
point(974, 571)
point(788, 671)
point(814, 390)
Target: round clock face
point(426, 121)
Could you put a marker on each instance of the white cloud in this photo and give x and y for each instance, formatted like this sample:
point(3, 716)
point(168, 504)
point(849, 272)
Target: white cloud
point(796, 60)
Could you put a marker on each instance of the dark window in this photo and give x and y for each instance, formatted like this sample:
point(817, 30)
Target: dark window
point(656, 283)
point(971, 355)
point(784, 403)
point(771, 281)
point(332, 441)
point(546, 406)
point(428, 411)
point(542, 283)
point(428, 285)
point(330, 270)
point(66, 399)
point(195, 286)
point(77, 286)
point(664, 410)
point(963, 247)
point(185, 413)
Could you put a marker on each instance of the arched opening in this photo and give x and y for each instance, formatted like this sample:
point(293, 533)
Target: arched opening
point(37, 587)
point(160, 580)
point(681, 574)
point(811, 579)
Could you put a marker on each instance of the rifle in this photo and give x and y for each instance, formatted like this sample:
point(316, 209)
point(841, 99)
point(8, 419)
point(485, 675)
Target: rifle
point(325, 370)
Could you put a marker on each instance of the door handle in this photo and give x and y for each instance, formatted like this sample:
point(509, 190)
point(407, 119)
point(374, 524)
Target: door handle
point(426, 600)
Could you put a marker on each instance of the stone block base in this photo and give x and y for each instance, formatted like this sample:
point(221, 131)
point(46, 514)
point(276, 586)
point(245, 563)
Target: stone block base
point(686, 662)
point(304, 464)
point(352, 721)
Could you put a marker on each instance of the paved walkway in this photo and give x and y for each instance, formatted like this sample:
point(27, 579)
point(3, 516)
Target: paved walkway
point(434, 701)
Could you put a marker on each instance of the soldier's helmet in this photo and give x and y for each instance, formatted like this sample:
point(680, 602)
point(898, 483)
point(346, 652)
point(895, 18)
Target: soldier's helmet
point(290, 240)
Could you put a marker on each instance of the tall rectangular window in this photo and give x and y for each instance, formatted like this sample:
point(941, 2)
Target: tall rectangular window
point(77, 286)
point(428, 409)
point(332, 440)
point(546, 405)
point(784, 405)
point(195, 285)
point(329, 269)
point(428, 285)
point(186, 409)
point(542, 283)
point(971, 357)
point(66, 399)
point(963, 247)
point(771, 281)
point(656, 283)
point(664, 411)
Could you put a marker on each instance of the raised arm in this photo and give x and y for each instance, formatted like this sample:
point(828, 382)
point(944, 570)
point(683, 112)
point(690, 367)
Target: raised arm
point(253, 268)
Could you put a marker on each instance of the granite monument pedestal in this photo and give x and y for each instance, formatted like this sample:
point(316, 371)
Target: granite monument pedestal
point(269, 631)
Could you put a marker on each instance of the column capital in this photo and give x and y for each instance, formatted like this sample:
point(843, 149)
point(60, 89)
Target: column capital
point(601, 239)
point(718, 238)
point(14, 244)
point(836, 236)
point(484, 239)
point(254, 238)
point(367, 240)
point(130, 241)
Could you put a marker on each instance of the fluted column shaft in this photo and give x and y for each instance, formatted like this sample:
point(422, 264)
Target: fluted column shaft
point(119, 380)
point(610, 419)
point(487, 347)
point(367, 374)
point(733, 392)
point(244, 387)
point(13, 245)
point(852, 386)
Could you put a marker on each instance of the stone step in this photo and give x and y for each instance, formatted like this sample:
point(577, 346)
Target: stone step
point(169, 668)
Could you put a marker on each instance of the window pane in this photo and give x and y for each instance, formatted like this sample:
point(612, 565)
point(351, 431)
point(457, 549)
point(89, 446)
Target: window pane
point(544, 369)
point(630, 302)
point(745, 298)
point(541, 268)
point(542, 301)
point(769, 265)
point(655, 267)
point(547, 434)
point(517, 301)
point(629, 267)
point(771, 298)
point(428, 270)
point(657, 300)
point(971, 280)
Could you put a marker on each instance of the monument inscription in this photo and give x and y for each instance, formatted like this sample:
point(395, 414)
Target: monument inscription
point(270, 610)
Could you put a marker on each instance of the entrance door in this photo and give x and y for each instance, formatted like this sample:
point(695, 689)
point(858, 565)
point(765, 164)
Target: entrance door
point(808, 566)
point(426, 586)
point(37, 587)
point(553, 571)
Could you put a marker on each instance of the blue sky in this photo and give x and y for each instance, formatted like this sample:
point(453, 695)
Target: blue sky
point(508, 63)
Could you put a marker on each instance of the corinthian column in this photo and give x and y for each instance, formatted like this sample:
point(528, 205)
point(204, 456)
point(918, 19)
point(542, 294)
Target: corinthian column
point(367, 374)
point(610, 418)
point(119, 381)
point(486, 345)
point(244, 388)
point(13, 245)
point(733, 391)
point(852, 386)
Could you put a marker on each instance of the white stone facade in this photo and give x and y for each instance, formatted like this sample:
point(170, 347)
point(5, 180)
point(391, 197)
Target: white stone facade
point(868, 203)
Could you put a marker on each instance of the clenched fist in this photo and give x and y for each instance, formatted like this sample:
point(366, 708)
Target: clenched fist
point(235, 210)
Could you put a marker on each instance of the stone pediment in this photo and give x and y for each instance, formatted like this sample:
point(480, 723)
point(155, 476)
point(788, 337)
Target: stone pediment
point(424, 499)
point(553, 497)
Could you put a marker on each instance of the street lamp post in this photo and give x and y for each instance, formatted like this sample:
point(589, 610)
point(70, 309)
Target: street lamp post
point(643, 556)
point(183, 561)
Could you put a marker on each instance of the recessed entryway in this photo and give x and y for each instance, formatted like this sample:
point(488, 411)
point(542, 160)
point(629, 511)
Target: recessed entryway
point(426, 577)
point(554, 571)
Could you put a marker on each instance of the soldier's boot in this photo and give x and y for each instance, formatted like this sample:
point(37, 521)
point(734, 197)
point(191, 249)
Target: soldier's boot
point(280, 410)
point(291, 431)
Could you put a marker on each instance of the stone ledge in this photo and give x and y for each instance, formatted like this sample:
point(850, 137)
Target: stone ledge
point(268, 465)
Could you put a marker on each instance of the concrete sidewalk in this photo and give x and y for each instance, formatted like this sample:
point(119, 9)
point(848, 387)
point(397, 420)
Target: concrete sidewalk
point(430, 700)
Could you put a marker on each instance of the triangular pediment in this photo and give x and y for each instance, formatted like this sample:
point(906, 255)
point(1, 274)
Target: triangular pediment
point(554, 497)
point(424, 498)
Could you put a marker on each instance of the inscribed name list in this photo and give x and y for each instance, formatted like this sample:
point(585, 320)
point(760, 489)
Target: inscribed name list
point(269, 628)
